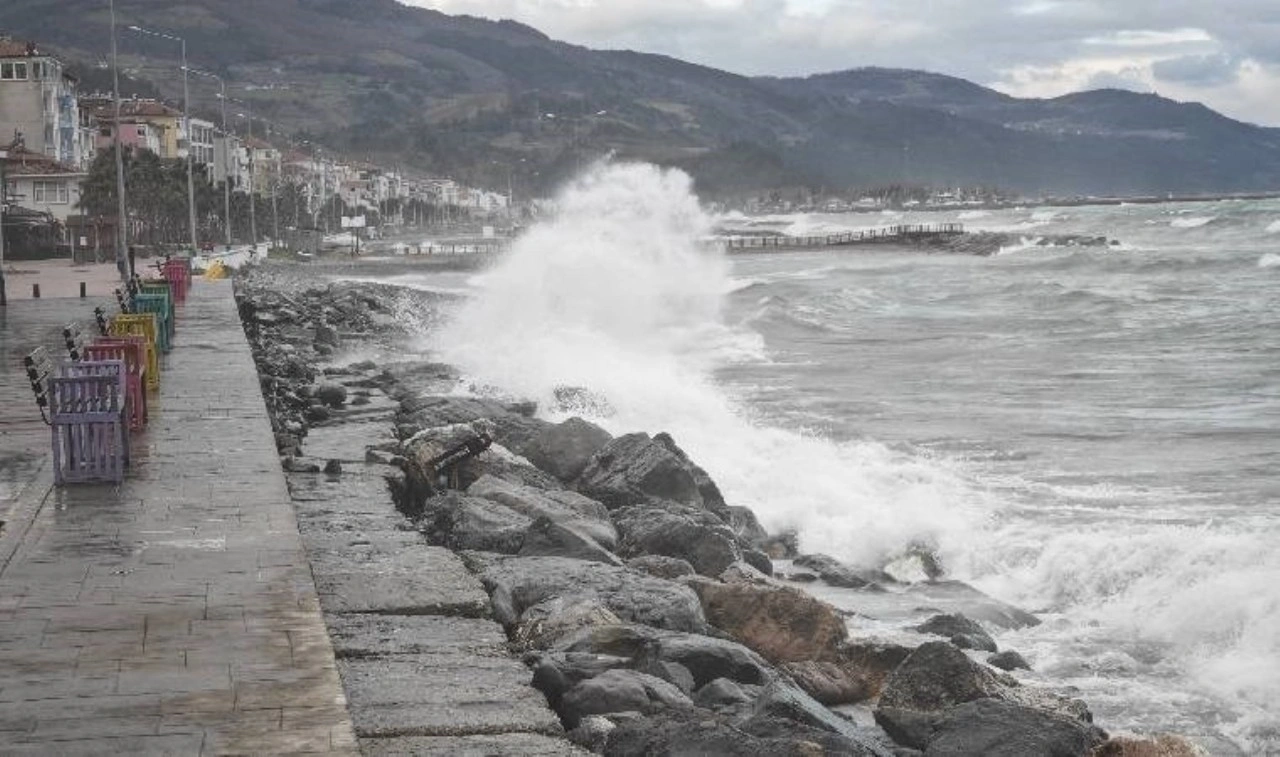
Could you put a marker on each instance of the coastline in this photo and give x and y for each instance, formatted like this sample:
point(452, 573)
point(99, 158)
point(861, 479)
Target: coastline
point(639, 601)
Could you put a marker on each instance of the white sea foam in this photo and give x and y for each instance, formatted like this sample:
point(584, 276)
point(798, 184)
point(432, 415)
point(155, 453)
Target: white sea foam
point(1026, 243)
point(1273, 227)
point(1192, 223)
point(1209, 597)
point(972, 215)
point(1269, 260)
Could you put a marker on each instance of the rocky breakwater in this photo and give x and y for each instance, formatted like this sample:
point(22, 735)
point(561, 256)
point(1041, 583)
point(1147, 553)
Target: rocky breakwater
point(986, 243)
point(641, 604)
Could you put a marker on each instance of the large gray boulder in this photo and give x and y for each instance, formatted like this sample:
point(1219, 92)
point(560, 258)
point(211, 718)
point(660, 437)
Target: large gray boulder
point(937, 677)
point(690, 734)
point(837, 573)
point(681, 531)
point(561, 506)
point(960, 597)
point(457, 521)
point(548, 622)
point(619, 691)
point(706, 658)
point(634, 468)
point(959, 630)
point(994, 728)
point(331, 394)
point(549, 538)
point(516, 584)
point(781, 699)
point(563, 450)
point(781, 623)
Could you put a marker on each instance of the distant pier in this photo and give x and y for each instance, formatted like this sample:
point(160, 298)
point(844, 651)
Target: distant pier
point(911, 233)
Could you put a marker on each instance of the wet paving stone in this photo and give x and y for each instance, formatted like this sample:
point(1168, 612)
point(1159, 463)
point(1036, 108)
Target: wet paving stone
point(174, 613)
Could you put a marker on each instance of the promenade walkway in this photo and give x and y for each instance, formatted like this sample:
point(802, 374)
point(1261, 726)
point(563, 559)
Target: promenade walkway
point(175, 614)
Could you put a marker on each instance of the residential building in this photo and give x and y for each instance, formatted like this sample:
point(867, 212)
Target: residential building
point(230, 159)
point(135, 134)
point(264, 164)
point(148, 124)
point(38, 102)
point(39, 183)
point(200, 142)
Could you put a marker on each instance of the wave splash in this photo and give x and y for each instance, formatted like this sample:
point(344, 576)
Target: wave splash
point(616, 295)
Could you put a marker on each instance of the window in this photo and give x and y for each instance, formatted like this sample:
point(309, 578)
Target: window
point(13, 71)
point(49, 193)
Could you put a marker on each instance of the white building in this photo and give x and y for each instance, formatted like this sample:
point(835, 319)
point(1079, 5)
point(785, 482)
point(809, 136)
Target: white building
point(200, 142)
point(40, 183)
point(38, 101)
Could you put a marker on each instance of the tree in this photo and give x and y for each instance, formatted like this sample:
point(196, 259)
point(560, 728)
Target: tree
point(155, 196)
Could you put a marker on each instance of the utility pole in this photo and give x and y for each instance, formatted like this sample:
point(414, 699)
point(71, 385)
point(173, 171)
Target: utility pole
point(226, 163)
point(275, 213)
point(191, 149)
point(122, 222)
point(253, 203)
point(4, 202)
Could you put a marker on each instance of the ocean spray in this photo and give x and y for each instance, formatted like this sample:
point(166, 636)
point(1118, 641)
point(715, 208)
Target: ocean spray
point(618, 294)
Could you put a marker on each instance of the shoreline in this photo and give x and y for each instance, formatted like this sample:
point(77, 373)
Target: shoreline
point(615, 569)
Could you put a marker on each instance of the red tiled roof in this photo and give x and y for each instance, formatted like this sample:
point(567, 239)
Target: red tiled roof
point(23, 162)
point(16, 48)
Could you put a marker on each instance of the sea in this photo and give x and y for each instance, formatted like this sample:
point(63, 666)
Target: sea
point(1089, 433)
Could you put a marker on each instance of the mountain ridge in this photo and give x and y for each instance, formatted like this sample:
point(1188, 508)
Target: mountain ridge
point(499, 102)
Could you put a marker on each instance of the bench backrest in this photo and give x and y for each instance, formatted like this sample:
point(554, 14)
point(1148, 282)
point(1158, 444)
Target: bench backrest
point(39, 371)
point(141, 324)
point(82, 390)
point(152, 303)
point(74, 339)
point(132, 352)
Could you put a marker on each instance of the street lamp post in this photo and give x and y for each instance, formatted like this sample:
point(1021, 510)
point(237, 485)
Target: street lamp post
point(186, 118)
point(122, 223)
point(4, 201)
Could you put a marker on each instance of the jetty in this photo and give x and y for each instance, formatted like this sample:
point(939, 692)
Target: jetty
point(902, 233)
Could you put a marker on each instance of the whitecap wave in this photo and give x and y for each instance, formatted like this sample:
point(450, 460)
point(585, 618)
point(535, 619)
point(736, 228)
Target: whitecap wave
point(1192, 223)
point(1273, 227)
point(1270, 260)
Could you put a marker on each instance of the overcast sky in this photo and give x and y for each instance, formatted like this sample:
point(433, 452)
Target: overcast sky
point(1225, 53)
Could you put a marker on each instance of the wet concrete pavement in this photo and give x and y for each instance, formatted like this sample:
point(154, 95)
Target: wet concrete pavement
point(176, 613)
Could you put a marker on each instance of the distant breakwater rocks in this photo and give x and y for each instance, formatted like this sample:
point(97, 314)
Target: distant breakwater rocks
point(644, 605)
point(977, 243)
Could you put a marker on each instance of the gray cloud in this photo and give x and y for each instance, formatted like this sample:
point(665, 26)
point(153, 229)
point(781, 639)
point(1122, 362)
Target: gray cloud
point(1028, 47)
point(1198, 70)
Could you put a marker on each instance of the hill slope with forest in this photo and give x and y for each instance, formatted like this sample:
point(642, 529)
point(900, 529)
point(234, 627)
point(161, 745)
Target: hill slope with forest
point(498, 101)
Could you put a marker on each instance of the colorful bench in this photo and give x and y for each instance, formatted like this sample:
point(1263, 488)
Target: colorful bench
point(132, 350)
point(85, 405)
point(178, 273)
point(143, 325)
point(157, 305)
point(165, 288)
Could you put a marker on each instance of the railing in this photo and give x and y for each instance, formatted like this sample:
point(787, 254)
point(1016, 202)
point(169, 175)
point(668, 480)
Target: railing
point(845, 238)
